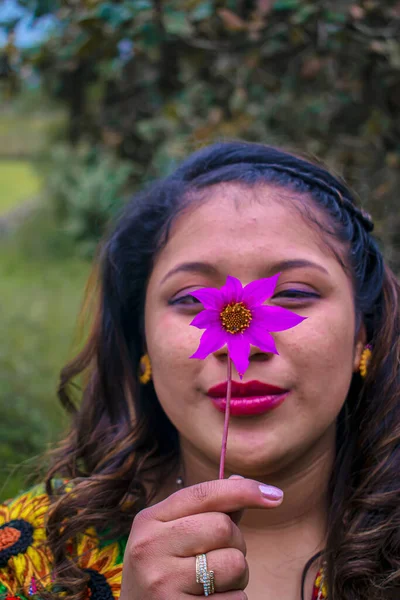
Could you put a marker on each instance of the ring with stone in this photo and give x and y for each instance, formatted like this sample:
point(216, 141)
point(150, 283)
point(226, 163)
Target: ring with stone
point(203, 576)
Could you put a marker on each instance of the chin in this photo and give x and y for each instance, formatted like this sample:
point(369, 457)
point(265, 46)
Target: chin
point(253, 467)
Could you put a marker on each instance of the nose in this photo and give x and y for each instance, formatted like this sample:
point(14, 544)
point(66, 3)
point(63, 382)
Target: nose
point(255, 354)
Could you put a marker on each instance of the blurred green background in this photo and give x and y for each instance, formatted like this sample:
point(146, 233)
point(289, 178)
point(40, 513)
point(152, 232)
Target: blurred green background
point(99, 97)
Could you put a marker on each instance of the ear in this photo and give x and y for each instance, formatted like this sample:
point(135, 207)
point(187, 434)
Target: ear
point(359, 346)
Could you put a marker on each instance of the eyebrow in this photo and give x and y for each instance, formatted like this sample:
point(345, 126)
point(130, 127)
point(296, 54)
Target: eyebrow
point(205, 268)
point(298, 263)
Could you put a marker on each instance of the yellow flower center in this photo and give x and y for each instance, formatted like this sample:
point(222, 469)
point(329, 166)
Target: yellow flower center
point(235, 318)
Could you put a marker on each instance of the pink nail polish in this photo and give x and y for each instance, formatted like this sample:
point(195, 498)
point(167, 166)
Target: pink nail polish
point(271, 492)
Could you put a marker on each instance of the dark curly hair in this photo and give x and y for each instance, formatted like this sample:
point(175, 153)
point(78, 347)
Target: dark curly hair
point(121, 443)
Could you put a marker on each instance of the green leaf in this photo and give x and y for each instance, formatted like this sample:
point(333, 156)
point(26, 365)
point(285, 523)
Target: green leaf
point(137, 6)
point(105, 11)
point(149, 34)
point(204, 10)
point(285, 4)
point(113, 14)
point(334, 16)
point(177, 23)
point(45, 7)
point(303, 14)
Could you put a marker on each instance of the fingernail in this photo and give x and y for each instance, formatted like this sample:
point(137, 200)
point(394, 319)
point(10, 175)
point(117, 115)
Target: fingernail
point(235, 477)
point(271, 492)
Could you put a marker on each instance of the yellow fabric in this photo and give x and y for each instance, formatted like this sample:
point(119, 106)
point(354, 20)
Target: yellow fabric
point(35, 561)
point(33, 565)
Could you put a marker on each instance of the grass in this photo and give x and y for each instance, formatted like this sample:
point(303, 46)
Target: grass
point(41, 290)
point(25, 123)
point(42, 283)
point(18, 182)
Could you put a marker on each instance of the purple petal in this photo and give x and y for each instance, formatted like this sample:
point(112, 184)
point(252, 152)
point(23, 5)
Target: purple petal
point(206, 318)
point(239, 350)
point(275, 318)
point(209, 297)
point(256, 292)
point(232, 290)
point(260, 338)
point(211, 340)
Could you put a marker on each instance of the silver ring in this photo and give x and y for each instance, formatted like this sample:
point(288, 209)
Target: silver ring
point(203, 576)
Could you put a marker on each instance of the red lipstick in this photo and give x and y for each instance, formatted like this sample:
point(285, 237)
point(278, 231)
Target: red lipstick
point(248, 399)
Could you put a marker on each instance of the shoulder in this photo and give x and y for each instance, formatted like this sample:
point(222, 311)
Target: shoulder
point(25, 558)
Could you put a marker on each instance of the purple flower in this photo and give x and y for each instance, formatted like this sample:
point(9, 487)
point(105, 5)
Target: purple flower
point(236, 316)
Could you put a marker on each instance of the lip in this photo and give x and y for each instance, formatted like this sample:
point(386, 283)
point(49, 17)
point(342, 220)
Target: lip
point(248, 399)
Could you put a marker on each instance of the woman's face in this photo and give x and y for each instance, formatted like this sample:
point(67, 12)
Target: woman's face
point(251, 234)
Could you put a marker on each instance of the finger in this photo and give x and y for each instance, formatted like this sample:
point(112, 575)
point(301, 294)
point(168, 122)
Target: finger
point(221, 495)
point(196, 534)
point(237, 515)
point(231, 571)
point(236, 595)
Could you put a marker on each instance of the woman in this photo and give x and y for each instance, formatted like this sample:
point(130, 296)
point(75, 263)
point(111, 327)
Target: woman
point(311, 505)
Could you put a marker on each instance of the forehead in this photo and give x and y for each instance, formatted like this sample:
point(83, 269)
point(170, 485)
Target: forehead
point(231, 223)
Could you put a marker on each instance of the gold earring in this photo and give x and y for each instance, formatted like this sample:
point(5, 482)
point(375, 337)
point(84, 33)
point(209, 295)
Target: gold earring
point(145, 366)
point(365, 360)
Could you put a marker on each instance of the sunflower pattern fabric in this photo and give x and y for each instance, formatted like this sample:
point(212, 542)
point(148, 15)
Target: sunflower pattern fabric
point(26, 562)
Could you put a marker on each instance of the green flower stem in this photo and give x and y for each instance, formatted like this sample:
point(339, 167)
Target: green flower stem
point(226, 422)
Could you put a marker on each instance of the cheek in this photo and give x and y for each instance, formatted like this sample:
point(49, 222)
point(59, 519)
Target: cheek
point(170, 336)
point(170, 343)
point(322, 355)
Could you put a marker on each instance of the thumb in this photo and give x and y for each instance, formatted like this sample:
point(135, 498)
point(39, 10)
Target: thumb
point(237, 515)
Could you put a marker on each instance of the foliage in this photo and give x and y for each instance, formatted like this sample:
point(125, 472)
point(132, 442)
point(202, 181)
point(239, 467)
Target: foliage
point(28, 186)
point(86, 187)
point(150, 80)
point(26, 122)
point(22, 136)
point(41, 288)
point(154, 79)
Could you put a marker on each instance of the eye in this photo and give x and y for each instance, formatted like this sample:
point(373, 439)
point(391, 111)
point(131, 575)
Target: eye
point(296, 294)
point(186, 300)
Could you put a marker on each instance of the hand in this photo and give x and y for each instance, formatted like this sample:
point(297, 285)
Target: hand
point(160, 563)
